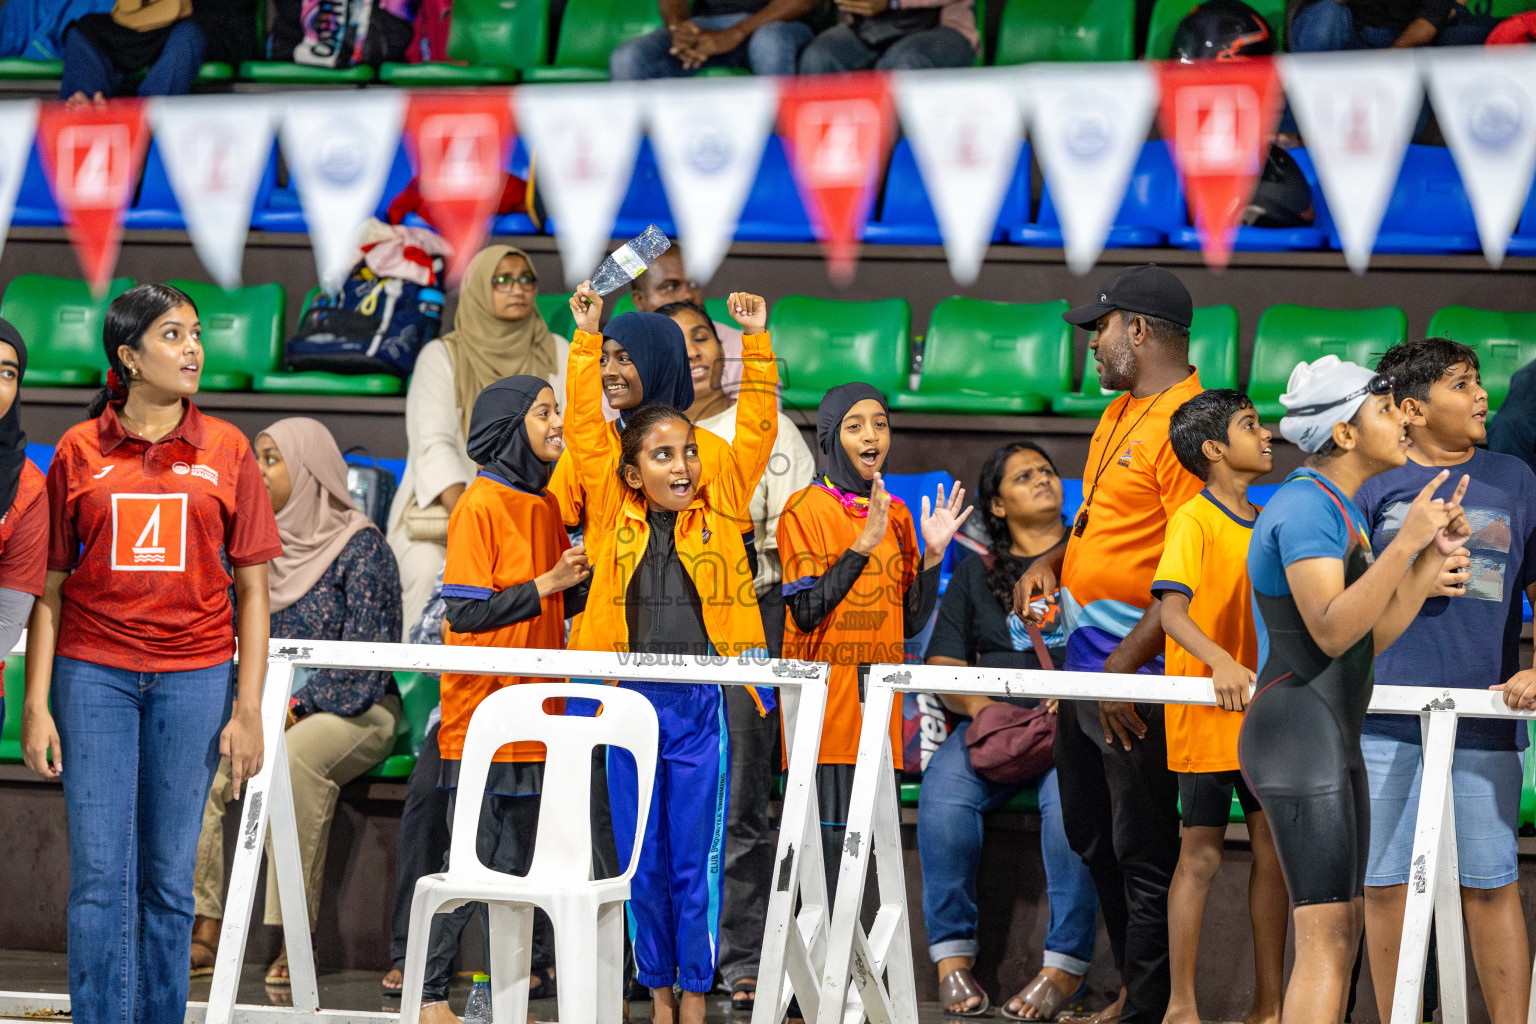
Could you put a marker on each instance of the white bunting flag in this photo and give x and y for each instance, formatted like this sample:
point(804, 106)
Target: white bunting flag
point(18, 122)
point(1485, 102)
point(965, 130)
point(583, 139)
point(1088, 123)
point(215, 150)
point(708, 137)
point(340, 148)
point(1357, 117)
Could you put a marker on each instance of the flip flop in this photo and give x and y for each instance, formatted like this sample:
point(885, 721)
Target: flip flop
point(739, 993)
point(1042, 996)
point(203, 970)
point(956, 987)
point(278, 981)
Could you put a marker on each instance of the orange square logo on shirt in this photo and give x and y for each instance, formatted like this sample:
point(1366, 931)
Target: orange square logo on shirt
point(149, 532)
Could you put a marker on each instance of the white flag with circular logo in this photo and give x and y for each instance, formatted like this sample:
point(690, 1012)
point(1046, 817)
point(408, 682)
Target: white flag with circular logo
point(215, 150)
point(1357, 116)
point(965, 128)
point(18, 123)
point(1485, 102)
point(709, 137)
point(1087, 123)
point(340, 146)
point(583, 139)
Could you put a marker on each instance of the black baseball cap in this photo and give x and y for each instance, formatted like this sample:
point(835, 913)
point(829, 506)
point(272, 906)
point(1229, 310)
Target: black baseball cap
point(1149, 290)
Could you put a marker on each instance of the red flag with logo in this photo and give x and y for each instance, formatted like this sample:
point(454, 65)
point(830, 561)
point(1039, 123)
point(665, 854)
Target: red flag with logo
point(93, 158)
point(837, 129)
point(460, 142)
point(1220, 118)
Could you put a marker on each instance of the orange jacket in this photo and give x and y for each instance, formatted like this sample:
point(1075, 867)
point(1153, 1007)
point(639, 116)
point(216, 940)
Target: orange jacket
point(709, 531)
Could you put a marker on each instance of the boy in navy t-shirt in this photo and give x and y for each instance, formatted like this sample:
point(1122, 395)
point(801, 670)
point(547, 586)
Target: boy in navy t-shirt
point(1468, 636)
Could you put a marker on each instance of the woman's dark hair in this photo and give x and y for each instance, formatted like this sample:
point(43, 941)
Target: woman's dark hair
point(671, 309)
point(1006, 567)
point(129, 316)
point(637, 426)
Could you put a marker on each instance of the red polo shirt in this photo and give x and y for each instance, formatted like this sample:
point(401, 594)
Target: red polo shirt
point(143, 527)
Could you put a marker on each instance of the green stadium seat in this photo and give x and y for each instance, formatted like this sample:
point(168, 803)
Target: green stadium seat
point(1166, 15)
point(313, 382)
point(1527, 788)
point(1504, 342)
point(1289, 334)
point(821, 343)
point(61, 321)
point(19, 69)
point(284, 72)
point(556, 310)
point(978, 355)
point(490, 41)
point(1502, 9)
point(10, 732)
point(1025, 801)
point(1066, 30)
point(589, 31)
point(242, 332)
point(1212, 349)
point(418, 696)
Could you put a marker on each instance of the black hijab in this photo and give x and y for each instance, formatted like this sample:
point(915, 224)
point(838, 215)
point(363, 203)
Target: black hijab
point(836, 465)
point(498, 438)
point(656, 346)
point(13, 440)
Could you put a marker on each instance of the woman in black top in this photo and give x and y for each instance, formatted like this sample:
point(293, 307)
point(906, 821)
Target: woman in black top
point(1019, 495)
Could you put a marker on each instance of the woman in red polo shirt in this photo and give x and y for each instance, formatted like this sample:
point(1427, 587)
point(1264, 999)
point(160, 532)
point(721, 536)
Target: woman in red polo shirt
point(135, 636)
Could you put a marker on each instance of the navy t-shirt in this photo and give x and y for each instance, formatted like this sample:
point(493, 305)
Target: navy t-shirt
point(1470, 641)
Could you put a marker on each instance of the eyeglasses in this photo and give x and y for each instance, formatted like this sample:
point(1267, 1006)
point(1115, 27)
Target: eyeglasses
point(1379, 385)
point(504, 282)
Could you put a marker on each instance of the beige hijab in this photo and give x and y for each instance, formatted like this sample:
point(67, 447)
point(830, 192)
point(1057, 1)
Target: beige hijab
point(485, 348)
point(319, 518)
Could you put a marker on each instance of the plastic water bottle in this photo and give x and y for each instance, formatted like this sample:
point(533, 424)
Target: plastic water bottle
point(630, 260)
point(478, 1009)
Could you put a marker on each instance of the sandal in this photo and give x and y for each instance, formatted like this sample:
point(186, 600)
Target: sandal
point(545, 989)
point(273, 980)
point(202, 970)
point(392, 991)
point(956, 987)
point(1042, 996)
point(743, 996)
point(1109, 1015)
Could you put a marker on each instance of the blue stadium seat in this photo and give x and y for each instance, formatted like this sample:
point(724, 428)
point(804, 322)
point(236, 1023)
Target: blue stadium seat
point(35, 207)
point(1523, 241)
point(1153, 206)
point(645, 203)
point(282, 211)
point(1429, 211)
point(773, 211)
point(906, 214)
point(157, 206)
point(1255, 239)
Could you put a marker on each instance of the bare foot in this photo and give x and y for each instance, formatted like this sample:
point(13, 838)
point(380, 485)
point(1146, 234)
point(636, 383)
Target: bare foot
point(277, 974)
point(1263, 1015)
point(394, 980)
point(958, 963)
point(1065, 983)
point(692, 1010)
point(1185, 1015)
point(79, 101)
point(437, 1013)
point(99, 101)
point(1109, 1015)
point(663, 1006)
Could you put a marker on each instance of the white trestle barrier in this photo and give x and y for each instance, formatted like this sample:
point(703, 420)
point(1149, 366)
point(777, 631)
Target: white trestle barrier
point(268, 799)
point(878, 964)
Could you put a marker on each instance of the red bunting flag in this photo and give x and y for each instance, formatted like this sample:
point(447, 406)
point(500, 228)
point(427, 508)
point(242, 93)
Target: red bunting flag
point(837, 129)
point(93, 157)
point(1220, 117)
point(459, 143)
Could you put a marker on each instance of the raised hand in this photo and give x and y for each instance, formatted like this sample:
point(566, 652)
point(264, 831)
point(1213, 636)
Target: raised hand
point(939, 525)
point(750, 311)
point(878, 521)
point(1426, 516)
point(587, 308)
point(1457, 530)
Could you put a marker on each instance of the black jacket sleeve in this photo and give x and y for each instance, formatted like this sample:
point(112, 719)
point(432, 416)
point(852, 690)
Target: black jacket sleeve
point(503, 608)
point(812, 605)
point(917, 603)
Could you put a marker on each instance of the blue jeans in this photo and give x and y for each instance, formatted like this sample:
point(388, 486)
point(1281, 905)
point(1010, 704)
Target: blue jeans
point(952, 803)
point(771, 50)
point(140, 750)
point(1327, 25)
point(88, 70)
point(839, 49)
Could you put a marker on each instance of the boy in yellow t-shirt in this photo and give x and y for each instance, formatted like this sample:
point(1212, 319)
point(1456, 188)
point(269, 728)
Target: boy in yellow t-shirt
point(1207, 612)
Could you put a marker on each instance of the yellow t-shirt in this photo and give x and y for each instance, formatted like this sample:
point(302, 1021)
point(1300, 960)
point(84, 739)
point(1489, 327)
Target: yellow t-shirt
point(1205, 557)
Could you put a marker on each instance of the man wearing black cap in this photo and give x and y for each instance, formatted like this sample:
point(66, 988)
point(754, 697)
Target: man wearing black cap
point(1118, 796)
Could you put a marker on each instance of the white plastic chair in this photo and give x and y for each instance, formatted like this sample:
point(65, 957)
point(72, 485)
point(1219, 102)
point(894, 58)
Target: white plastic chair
point(588, 914)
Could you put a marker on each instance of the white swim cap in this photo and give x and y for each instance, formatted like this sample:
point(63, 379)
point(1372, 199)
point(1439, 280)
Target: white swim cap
point(1324, 392)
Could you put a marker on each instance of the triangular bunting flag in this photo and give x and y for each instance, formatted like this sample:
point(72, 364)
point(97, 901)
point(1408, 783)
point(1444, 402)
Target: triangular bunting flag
point(18, 122)
point(708, 138)
point(837, 129)
point(965, 129)
point(215, 150)
point(1357, 116)
point(1087, 123)
point(459, 144)
point(583, 139)
point(1485, 102)
point(1220, 117)
point(93, 158)
point(340, 148)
